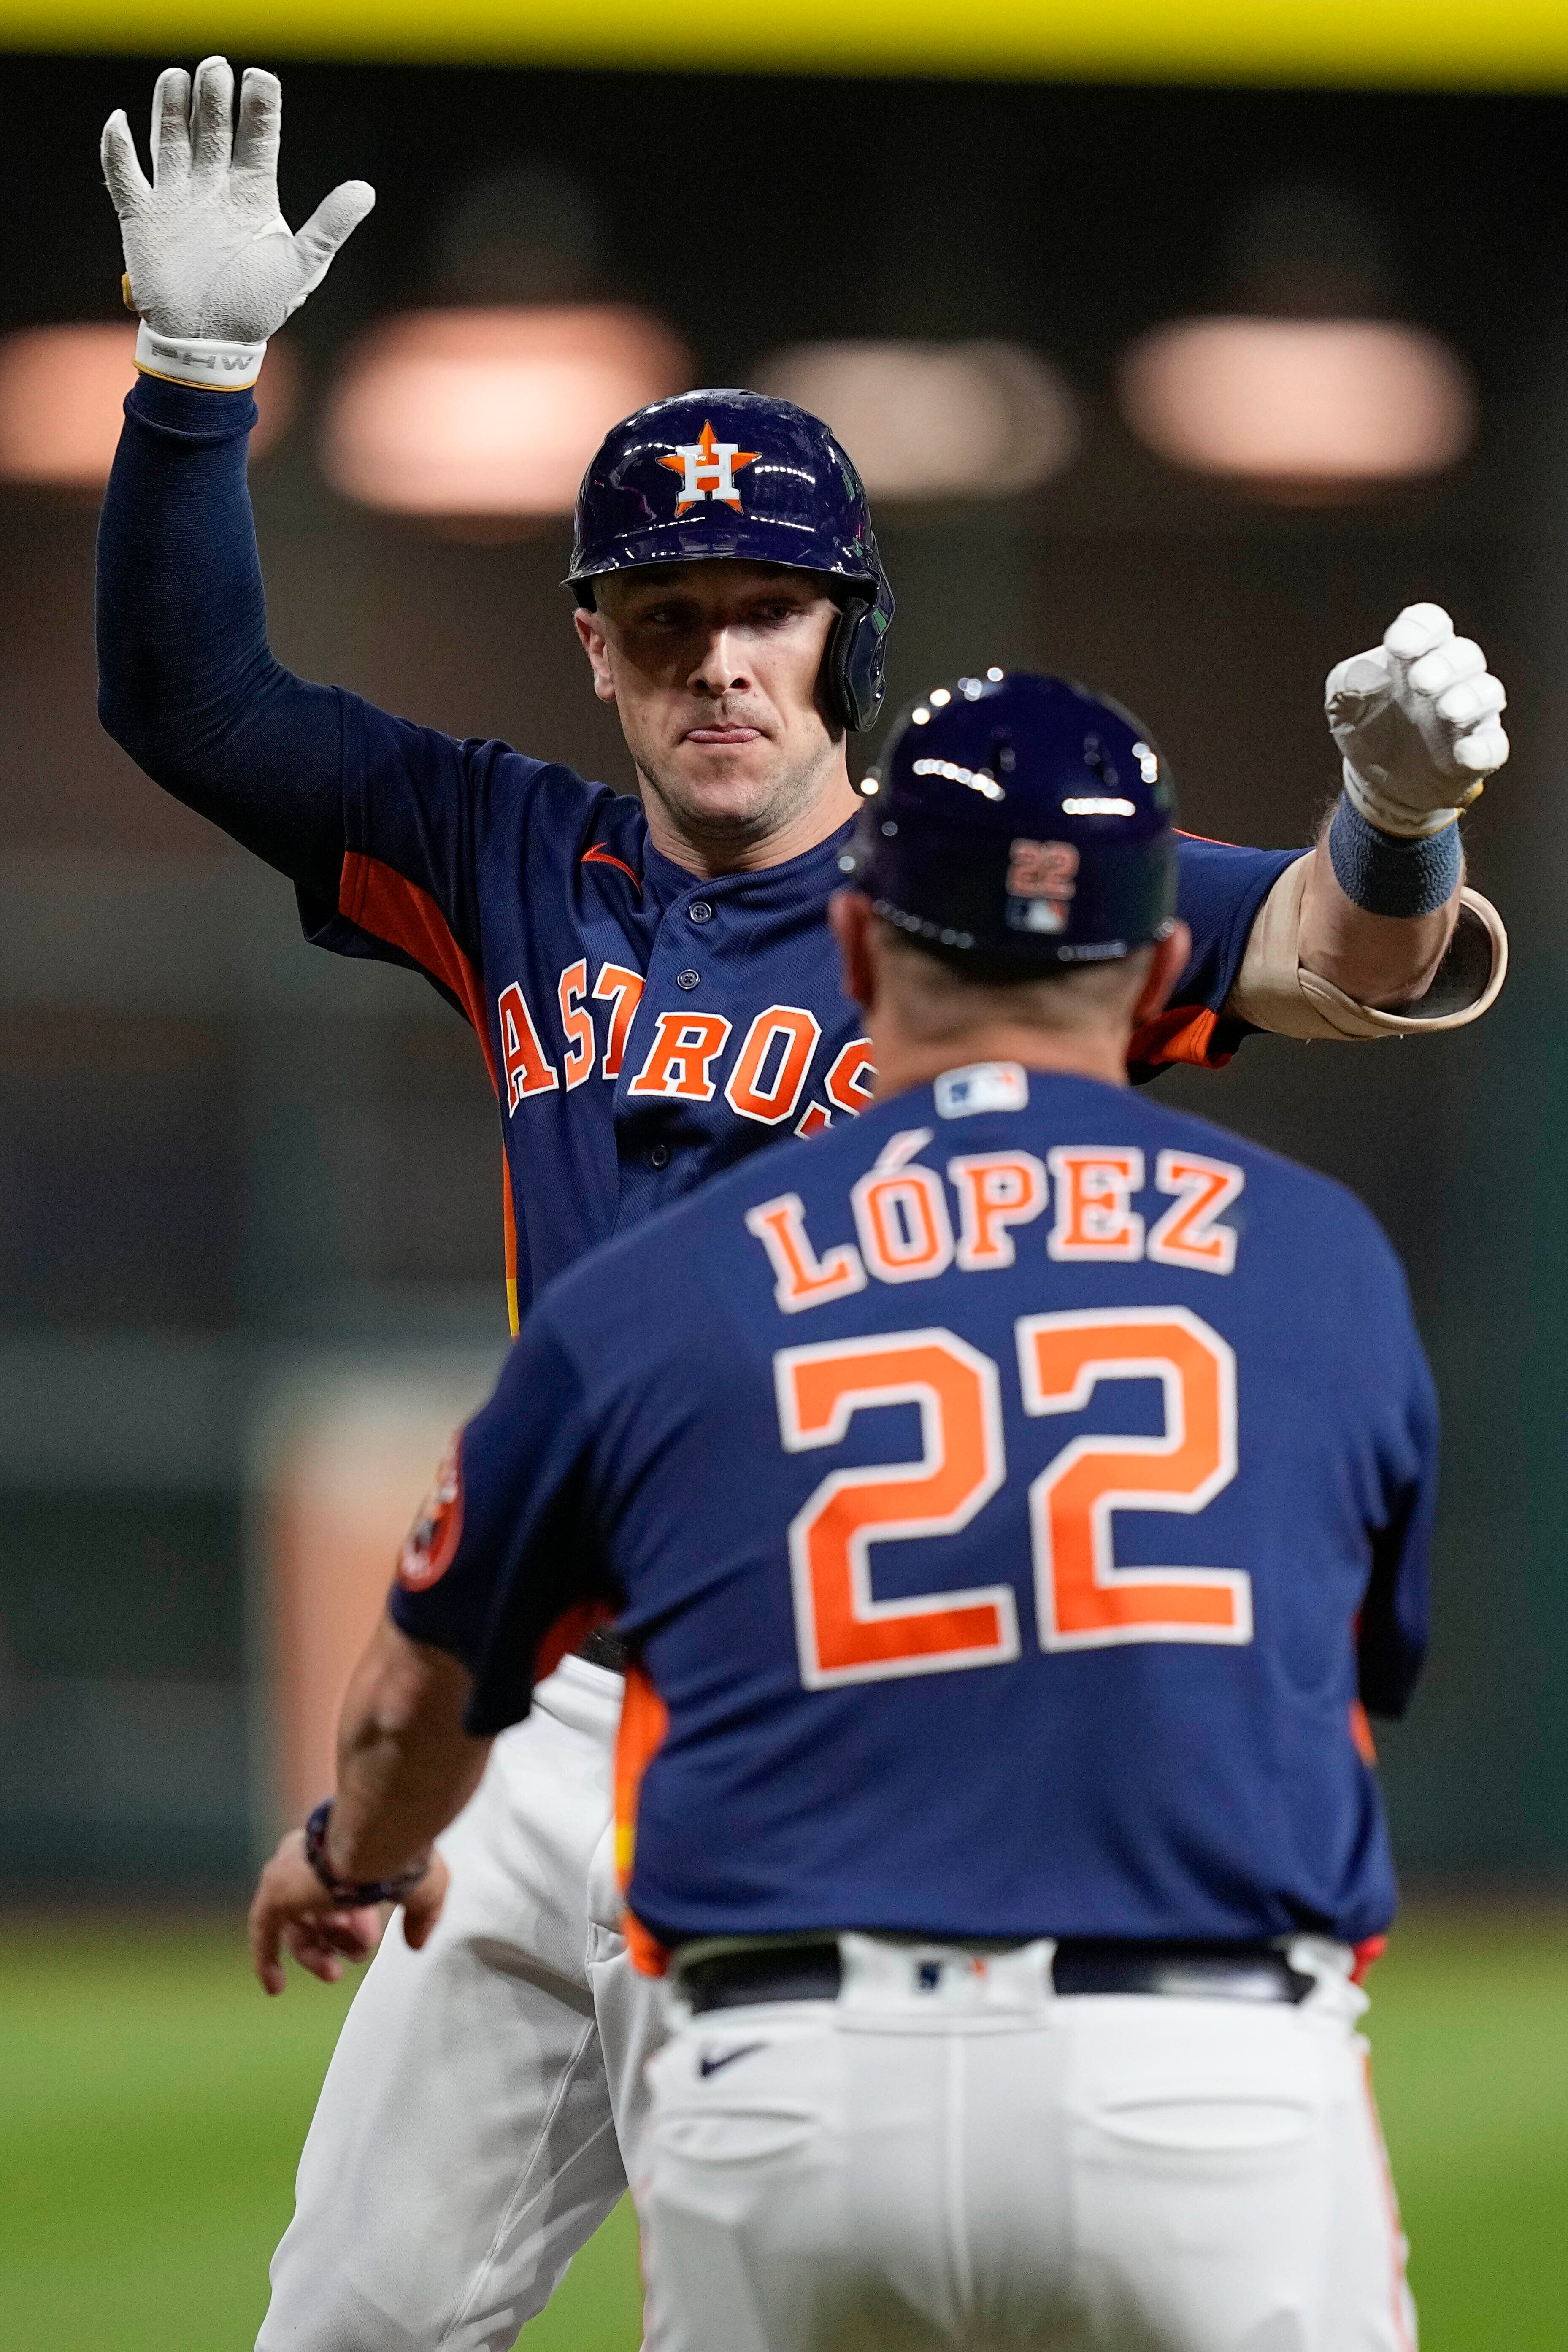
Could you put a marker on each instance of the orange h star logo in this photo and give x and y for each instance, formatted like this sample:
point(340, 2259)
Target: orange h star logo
point(714, 464)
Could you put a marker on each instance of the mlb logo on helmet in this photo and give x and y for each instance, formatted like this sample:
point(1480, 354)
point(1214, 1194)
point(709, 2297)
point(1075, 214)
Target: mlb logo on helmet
point(1040, 876)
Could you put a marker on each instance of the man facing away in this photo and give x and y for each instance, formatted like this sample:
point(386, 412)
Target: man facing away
point(656, 995)
point(1011, 1503)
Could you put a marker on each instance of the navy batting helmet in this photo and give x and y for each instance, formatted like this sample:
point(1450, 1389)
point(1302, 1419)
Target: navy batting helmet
point(1019, 823)
point(733, 473)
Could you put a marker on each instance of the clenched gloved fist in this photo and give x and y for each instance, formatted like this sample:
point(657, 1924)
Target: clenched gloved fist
point(209, 257)
point(1416, 721)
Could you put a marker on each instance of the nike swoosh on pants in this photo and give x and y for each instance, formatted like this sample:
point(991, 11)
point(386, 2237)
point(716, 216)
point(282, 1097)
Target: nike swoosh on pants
point(711, 2065)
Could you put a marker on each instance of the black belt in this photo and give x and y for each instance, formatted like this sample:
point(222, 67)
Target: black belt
point(1255, 1972)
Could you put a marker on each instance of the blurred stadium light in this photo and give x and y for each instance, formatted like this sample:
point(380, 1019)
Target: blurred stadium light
point(61, 389)
point(60, 394)
point(934, 420)
point(1298, 407)
point(491, 412)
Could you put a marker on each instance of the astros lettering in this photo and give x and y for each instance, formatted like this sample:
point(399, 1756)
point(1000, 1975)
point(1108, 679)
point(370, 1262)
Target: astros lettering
point(766, 1073)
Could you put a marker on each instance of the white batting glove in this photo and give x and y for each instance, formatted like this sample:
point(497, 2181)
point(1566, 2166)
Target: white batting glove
point(211, 263)
point(1416, 719)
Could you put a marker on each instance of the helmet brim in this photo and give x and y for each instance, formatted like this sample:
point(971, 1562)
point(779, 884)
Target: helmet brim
point(681, 543)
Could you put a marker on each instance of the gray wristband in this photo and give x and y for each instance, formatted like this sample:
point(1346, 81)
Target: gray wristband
point(1389, 874)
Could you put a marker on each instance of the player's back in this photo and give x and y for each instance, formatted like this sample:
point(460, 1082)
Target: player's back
point(996, 1487)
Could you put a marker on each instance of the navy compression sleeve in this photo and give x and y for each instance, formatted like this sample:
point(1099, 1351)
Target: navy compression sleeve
point(188, 682)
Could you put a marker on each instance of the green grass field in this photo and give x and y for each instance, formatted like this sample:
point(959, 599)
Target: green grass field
point(154, 2103)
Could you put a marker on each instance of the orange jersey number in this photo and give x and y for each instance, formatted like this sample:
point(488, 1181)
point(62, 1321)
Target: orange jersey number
point(844, 1635)
point(1083, 1599)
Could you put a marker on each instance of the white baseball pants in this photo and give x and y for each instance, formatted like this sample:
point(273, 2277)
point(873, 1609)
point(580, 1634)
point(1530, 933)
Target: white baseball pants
point(997, 2167)
point(471, 2130)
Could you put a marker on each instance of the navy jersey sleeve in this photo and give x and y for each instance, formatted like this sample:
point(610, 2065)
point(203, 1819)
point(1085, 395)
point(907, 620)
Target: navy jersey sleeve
point(503, 1567)
point(372, 817)
point(407, 888)
point(1385, 1382)
point(1219, 891)
point(1396, 1614)
point(188, 682)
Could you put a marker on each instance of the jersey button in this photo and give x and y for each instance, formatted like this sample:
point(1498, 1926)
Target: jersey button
point(658, 1155)
point(700, 911)
point(689, 978)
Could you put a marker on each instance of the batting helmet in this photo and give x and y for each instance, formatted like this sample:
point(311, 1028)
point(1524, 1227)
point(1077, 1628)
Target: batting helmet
point(734, 474)
point(1019, 823)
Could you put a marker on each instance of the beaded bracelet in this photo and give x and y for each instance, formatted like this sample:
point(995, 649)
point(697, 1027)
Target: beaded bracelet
point(345, 1891)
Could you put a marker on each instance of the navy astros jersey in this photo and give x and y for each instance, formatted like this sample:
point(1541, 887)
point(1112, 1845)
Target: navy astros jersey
point(1011, 1501)
point(644, 1028)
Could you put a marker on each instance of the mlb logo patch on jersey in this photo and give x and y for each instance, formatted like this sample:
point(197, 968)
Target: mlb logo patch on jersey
point(432, 1541)
point(983, 1086)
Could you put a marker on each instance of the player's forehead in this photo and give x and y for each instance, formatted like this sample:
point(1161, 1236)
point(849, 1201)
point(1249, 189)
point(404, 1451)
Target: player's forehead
point(708, 582)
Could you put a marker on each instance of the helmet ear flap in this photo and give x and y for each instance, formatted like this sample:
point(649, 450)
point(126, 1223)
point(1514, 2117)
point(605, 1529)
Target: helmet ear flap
point(854, 679)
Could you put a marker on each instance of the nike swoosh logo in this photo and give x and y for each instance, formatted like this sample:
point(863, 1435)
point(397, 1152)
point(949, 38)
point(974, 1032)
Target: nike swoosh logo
point(726, 2057)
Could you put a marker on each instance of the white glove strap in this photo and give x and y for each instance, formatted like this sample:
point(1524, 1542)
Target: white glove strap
point(1390, 816)
point(185, 359)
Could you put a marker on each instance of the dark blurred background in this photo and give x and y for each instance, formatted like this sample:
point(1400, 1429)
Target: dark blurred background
point(226, 1161)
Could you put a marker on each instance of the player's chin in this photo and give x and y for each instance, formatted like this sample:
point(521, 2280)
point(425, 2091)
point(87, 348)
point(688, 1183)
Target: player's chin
point(738, 785)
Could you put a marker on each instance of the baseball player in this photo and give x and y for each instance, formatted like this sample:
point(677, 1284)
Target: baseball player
point(1010, 1503)
point(654, 987)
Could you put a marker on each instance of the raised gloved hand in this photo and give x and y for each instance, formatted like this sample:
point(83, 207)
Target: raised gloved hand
point(209, 257)
point(1416, 721)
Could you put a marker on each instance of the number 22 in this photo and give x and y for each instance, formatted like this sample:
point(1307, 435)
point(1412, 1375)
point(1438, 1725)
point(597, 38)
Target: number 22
point(1082, 1599)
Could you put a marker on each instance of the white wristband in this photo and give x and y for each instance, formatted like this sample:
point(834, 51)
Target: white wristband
point(185, 359)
